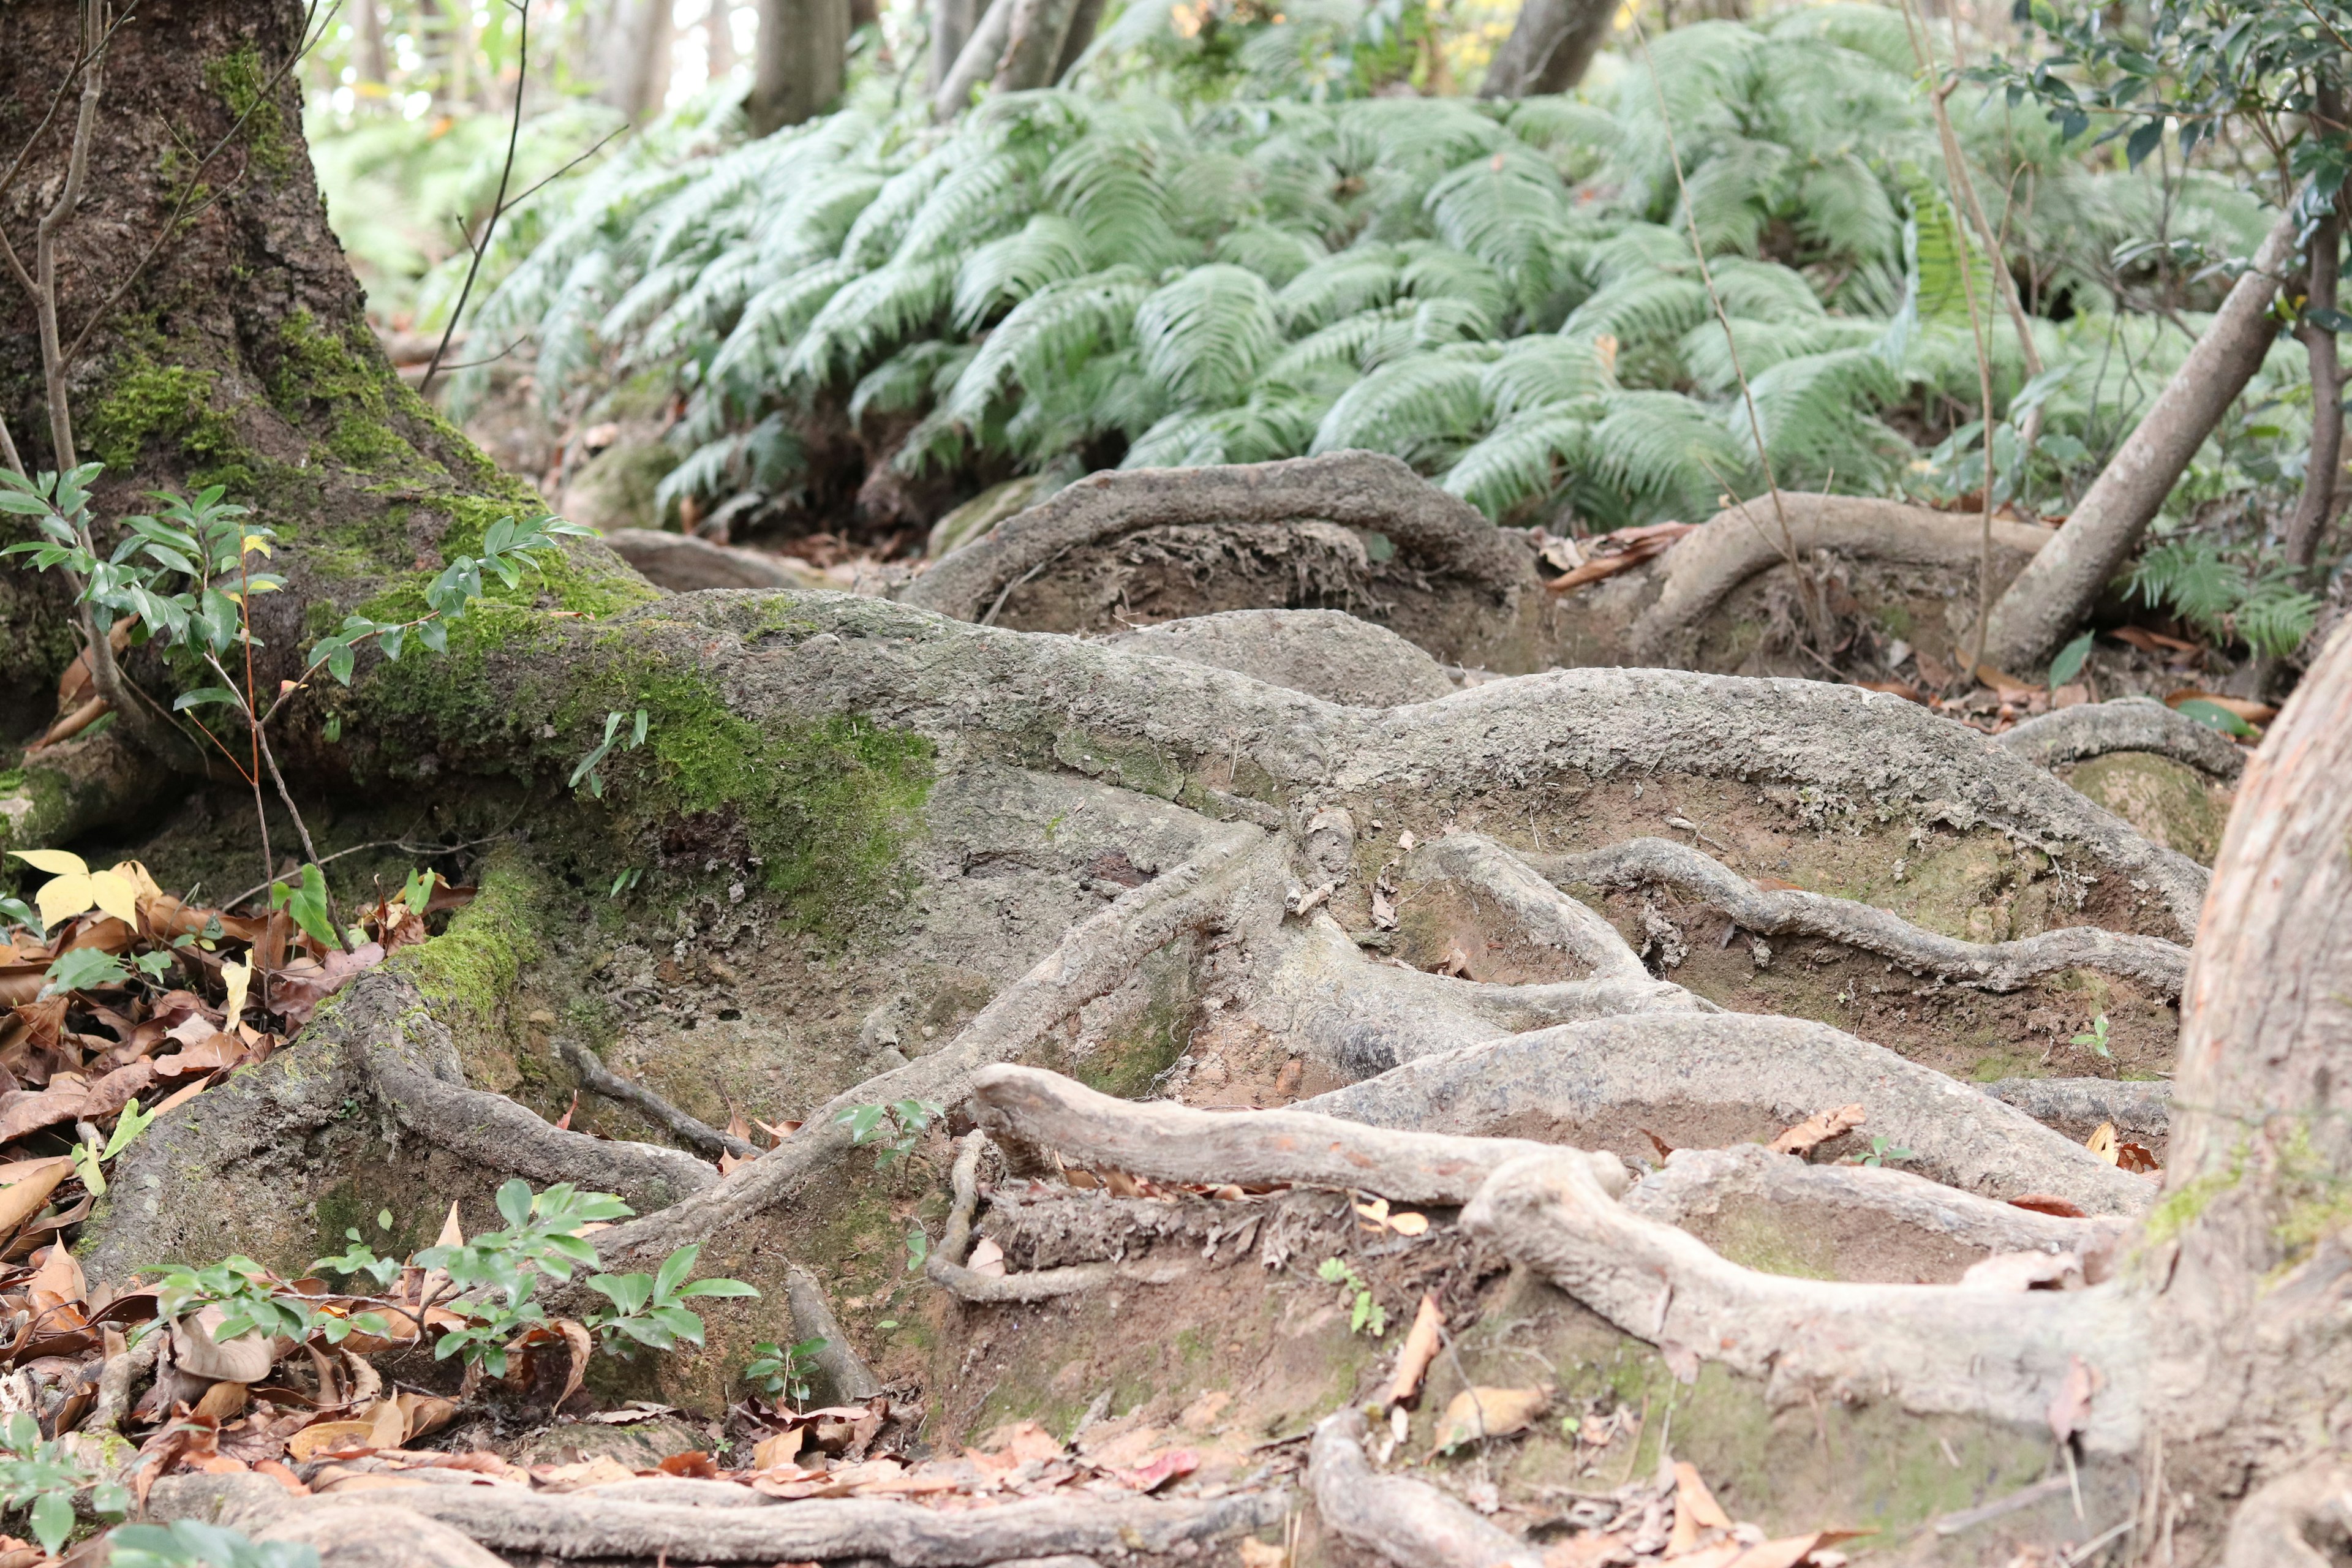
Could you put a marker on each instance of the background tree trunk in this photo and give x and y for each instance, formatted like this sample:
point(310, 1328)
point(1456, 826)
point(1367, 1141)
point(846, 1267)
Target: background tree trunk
point(975, 62)
point(718, 40)
point(952, 25)
point(636, 58)
point(2056, 590)
point(798, 60)
point(1033, 44)
point(2321, 472)
point(1551, 46)
point(374, 63)
point(1084, 21)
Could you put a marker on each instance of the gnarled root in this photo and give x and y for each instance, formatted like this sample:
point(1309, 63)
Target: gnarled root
point(1175, 1143)
point(2129, 724)
point(1546, 916)
point(1697, 1181)
point(944, 1265)
point(1774, 1071)
point(842, 1373)
point(2285, 1523)
point(595, 1075)
point(1996, 966)
point(1410, 1522)
point(573, 1526)
point(1932, 1348)
point(2133, 1107)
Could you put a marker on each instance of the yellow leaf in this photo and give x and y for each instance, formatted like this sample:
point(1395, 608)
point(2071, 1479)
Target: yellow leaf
point(255, 541)
point(62, 897)
point(260, 588)
point(56, 862)
point(1408, 1223)
point(141, 879)
point(2102, 1143)
point(237, 977)
point(1476, 1412)
point(116, 894)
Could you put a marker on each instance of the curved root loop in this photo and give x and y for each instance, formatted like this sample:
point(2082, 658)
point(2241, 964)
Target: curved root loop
point(944, 1265)
point(2283, 1524)
point(1410, 1522)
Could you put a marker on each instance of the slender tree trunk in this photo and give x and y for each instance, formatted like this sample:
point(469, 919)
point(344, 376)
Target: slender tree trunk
point(1085, 22)
point(376, 64)
point(1032, 44)
point(975, 62)
point(2321, 473)
point(1551, 46)
point(2059, 586)
point(718, 40)
point(636, 58)
point(952, 25)
point(798, 60)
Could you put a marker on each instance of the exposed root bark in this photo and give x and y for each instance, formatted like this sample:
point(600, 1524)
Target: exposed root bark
point(1438, 532)
point(2129, 724)
point(2303, 1519)
point(509, 1519)
point(1931, 1347)
point(1092, 959)
point(1546, 916)
point(595, 1075)
point(2142, 1108)
point(1175, 1143)
point(371, 1535)
point(944, 1265)
point(1410, 1522)
point(682, 563)
point(64, 791)
point(1996, 966)
point(843, 1374)
point(1703, 568)
point(114, 1382)
point(1562, 1084)
point(1697, 1181)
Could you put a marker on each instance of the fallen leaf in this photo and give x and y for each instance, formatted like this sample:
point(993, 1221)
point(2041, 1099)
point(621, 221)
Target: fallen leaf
point(2148, 641)
point(1421, 1345)
point(1457, 962)
point(2025, 1271)
point(1160, 1469)
point(1692, 1498)
point(2070, 1407)
point(2102, 1141)
point(775, 1452)
point(46, 1107)
point(1818, 1129)
point(1903, 689)
point(1477, 1413)
point(218, 1051)
point(2138, 1159)
point(602, 1470)
point(1660, 1144)
point(1020, 1441)
point(2252, 713)
point(116, 1089)
point(695, 1464)
point(25, 1197)
point(1257, 1553)
point(329, 1436)
point(988, 1259)
point(2049, 1204)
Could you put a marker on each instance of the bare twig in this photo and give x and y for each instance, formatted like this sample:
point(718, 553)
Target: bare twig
point(497, 204)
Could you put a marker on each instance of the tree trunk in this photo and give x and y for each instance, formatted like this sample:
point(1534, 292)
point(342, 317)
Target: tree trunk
point(1551, 46)
point(1032, 44)
point(2323, 469)
point(798, 60)
point(952, 24)
point(975, 62)
point(1084, 21)
point(375, 65)
point(636, 58)
point(2052, 596)
point(718, 40)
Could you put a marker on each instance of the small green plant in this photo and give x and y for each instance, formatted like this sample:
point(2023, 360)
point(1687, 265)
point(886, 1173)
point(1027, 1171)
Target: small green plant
point(897, 1127)
point(781, 1371)
point(89, 1157)
point(646, 1308)
point(1883, 1150)
point(2256, 600)
point(42, 1478)
point(2070, 660)
point(192, 1543)
point(1363, 1312)
point(2095, 1039)
point(918, 1247)
point(588, 767)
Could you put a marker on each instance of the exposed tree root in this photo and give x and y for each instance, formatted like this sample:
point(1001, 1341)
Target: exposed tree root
point(1931, 1347)
point(1175, 1143)
point(2303, 1519)
point(1094, 957)
point(1996, 966)
point(78, 786)
point(595, 1075)
point(573, 1526)
point(2142, 1108)
point(1561, 1084)
point(1410, 1522)
point(843, 1374)
point(682, 563)
point(1546, 916)
point(2129, 724)
point(371, 1535)
point(1703, 568)
point(1697, 1181)
point(1437, 533)
point(944, 1264)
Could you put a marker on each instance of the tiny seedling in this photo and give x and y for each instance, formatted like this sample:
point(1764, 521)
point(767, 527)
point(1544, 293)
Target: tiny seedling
point(1363, 1312)
point(897, 1127)
point(1882, 1150)
point(2095, 1039)
point(589, 767)
point(781, 1371)
point(42, 1478)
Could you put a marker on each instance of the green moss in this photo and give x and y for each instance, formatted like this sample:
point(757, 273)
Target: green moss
point(316, 366)
point(2179, 1209)
point(241, 81)
point(147, 403)
point(467, 972)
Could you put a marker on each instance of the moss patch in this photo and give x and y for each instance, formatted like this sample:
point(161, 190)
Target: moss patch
point(241, 81)
point(469, 971)
point(150, 403)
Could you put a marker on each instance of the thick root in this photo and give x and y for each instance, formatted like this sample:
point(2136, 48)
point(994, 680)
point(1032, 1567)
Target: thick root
point(1546, 916)
point(2142, 1108)
point(1176, 1143)
point(1438, 533)
point(2286, 1523)
point(595, 1075)
point(1410, 1522)
point(2161, 965)
point(1697, 1181)
point(840, 1370)
point(2129, 724)
point(572, 1526)
point(1600, 1082)
point(1931, 1347)
point(944, 1265)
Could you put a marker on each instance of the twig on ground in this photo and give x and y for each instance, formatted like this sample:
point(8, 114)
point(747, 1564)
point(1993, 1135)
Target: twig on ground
point(596, 1074)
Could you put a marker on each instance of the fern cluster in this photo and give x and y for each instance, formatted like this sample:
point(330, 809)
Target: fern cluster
point(1502, 294)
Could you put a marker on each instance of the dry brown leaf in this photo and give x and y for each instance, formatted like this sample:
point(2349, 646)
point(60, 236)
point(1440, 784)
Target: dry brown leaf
point(988, 1259)
point(1476, 1412)
point(1818, 1129)
point(1693, 1498)
point(2148, 641)
point(2138, 1159)
point(2049, 1204)
point(2102, 1141)
point(48, 1108)
point(224, 1401)
point(25, 1197)
point(1421, 1344)
point(1457, 962)
point(330, 1436)
point(1721, 1554)
point(1660, 1144)
point(2070, 1409)
point(602, 1470)
point(1257, 1553)
point(775, 1452)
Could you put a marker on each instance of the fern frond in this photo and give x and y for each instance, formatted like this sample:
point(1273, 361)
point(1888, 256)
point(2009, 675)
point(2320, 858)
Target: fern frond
point(1537, 371)
point(1277, 255)
point(1048, 249)
point(868, 314)
point(1664, 454)
point(1339, 286)
point(1046, 334)
point(1522, 458)
point(1420, 409)
point(1204, 335)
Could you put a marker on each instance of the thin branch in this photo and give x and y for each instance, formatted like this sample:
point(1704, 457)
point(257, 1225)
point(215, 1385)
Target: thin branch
point(411, 846)
point(497, 204)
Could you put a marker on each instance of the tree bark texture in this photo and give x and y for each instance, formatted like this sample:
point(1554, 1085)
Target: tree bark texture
point(2050, 596)
point(1032, 44)
point(975, 62)
point(2324, 468)
point(636, 58)
point(1551, 46)
point(798, 60)
point(952, 25)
